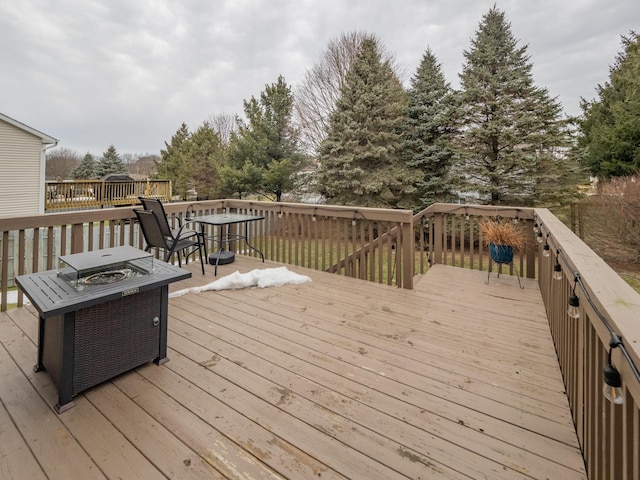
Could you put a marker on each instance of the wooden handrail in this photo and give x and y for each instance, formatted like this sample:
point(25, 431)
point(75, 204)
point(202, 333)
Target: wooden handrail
point(608, 433)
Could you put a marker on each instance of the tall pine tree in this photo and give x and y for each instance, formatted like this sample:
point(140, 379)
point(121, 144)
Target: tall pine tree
point(360, 160)
point(110, 163)
point(609, 138)
point(173, 164)
point(321, 86)
point(204, 153)
point(265, 152)
point(512, 141)
point(427, 133)
point(86, 170)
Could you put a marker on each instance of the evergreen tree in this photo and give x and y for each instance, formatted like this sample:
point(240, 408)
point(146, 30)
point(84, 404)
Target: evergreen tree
point(321, 86)
point(427, 134)
point(511, 139)
point(110, 163)
point(87, 169)
point(610, 128)
point(242, 172)
point(265, 153)
point(192, 161)
point(360, 160)
point(173, 164)
point(204, 152)
point(240, 181)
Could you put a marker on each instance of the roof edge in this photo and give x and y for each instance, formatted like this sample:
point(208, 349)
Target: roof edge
point(46, 139)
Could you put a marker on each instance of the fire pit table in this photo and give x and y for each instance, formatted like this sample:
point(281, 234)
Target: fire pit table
point(101, 314)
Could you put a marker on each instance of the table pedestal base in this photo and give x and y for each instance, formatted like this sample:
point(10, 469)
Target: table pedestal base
point(221, 258)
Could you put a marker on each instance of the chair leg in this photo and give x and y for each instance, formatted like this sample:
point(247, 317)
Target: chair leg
point(170, 254)
point(186, 256)
point(197, 250)
point(201, 260)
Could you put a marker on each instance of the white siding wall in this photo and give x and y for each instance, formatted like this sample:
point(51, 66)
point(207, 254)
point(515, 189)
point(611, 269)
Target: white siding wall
point(20, 171)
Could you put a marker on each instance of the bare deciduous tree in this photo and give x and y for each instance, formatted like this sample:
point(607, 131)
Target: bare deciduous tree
point(321, 86)
point(224, 124)
point(609, 220)
point(143, 165)
point(61, 162)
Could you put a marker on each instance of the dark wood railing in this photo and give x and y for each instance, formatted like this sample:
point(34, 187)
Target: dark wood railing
point(390, 246)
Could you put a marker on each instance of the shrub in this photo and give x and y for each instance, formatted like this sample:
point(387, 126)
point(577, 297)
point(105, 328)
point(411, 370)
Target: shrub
point(501, 233)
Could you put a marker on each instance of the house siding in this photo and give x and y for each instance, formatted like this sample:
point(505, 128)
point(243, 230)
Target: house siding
point(20, 171)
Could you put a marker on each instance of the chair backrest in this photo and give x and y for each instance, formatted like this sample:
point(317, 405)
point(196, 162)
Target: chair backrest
point(156, 205)
point(153, 234)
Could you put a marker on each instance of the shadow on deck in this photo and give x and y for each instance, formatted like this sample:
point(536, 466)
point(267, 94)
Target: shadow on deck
point(337, 378)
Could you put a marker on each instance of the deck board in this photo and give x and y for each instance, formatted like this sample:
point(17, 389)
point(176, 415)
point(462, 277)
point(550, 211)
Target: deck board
point(336, 378)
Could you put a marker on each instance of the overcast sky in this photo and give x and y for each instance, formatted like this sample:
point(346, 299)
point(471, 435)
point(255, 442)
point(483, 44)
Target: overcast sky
point(94, 73)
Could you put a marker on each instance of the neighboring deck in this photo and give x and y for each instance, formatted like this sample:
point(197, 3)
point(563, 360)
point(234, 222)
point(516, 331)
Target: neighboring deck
point(336, 378)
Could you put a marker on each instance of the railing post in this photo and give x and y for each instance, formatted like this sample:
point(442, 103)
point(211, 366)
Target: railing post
point(408, 253)
point(532, 250)
point(4, 270)
point(77, 238)
point(437, 238)
point(103, 195)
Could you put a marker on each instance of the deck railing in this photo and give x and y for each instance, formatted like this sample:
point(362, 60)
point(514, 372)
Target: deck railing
point(609, 434)
point(449, 234)
point(390, 246)
point(365, 243)
point(86, 194)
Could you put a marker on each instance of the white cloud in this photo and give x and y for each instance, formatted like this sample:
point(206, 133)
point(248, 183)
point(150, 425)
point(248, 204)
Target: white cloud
point(101, 72)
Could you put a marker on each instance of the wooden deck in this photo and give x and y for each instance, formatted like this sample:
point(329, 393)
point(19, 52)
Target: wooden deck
point(336, 378)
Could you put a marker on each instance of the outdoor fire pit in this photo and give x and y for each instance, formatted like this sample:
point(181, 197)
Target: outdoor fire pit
point(101, 314)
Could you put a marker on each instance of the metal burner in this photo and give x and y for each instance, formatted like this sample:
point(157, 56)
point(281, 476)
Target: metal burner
point(107, 277)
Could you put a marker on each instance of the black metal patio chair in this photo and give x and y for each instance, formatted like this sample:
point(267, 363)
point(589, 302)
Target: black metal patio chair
point(154, 236)
point(155, 204)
